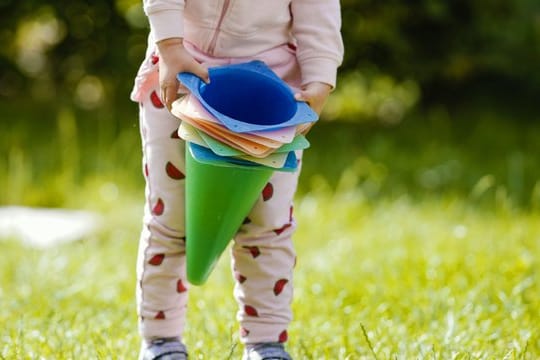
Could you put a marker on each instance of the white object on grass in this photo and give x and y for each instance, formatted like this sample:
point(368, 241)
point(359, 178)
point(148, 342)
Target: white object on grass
point(46, 227)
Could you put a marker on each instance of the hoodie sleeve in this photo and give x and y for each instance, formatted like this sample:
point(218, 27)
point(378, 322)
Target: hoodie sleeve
point(317, 30)
point(165, 17)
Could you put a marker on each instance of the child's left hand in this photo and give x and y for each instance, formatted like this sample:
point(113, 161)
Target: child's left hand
point(315, 94)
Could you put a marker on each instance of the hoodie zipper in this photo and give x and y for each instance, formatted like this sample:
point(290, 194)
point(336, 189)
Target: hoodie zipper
point(213, 43)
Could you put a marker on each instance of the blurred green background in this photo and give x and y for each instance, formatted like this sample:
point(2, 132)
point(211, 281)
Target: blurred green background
point(418, 205)
point(433, 97)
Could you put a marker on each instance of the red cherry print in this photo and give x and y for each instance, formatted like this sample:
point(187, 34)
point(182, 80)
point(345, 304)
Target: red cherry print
point(239, 277)
point(282, 229)
point(180, 287)
point(268, 191)
point(156, 259)
point(154, 58)
point(159, 207)
point(173, 171)
point(174, 135)
point(291, 209)
point(283, 336)
point(146, 170)
point(279, 285)
point(156, 101)
point(160, 315)
point(244, 332)
point(254, 250)
point(250, 310)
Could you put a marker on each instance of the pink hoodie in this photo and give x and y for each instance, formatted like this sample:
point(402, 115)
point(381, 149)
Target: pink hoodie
point(246, 28)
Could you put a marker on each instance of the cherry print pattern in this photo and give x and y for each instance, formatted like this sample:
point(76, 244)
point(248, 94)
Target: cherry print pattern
point(159, 207)
point(250, 311)
point(239, 277)
point(160, 315)
point(279, 286)
point(283, 336)
point(254, 250)
point(156, 101)
point(155, 262)
point(157, 259)
point(180, 287)
point(244, 332)
point(173, 171)
point(268, 192)
point(288, 225)
point(282, 229)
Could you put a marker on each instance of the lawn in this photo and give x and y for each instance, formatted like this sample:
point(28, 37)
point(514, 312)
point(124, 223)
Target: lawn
point(416, 241)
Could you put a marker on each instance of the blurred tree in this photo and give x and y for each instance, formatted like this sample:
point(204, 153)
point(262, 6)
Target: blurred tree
point(84, 54)
point(446, 46)
point(71, 53)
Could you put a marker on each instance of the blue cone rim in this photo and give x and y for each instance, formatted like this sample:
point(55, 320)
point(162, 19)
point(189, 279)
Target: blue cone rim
point(248, 97)
point(206, 156)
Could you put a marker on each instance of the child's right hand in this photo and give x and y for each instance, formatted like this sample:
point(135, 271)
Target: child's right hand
point(174, 59)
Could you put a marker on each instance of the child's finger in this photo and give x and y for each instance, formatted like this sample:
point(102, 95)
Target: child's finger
point(169, 93)
point(301, 96)
point(198, 70)
point(182, 90)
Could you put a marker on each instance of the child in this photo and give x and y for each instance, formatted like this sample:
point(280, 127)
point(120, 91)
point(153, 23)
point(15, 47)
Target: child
point(300, 40)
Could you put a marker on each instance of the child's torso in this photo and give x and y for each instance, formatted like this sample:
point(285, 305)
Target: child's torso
point(233, 28)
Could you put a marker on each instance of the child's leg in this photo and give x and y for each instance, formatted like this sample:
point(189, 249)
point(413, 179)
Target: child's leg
point(162, 285)
point(263, 261)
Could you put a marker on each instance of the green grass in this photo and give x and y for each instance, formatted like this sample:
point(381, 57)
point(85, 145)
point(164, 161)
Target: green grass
point(435, 280)
point(419, 241)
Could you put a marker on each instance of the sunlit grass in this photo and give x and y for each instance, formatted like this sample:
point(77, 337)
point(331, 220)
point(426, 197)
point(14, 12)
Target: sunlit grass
point(417, 241)
point(432, 280)
point(398, 279)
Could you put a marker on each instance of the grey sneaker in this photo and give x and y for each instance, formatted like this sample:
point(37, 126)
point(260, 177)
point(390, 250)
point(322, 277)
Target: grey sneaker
point(266, 351)
point(164, 349)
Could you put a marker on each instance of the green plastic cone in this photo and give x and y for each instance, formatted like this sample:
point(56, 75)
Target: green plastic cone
point(218, 199)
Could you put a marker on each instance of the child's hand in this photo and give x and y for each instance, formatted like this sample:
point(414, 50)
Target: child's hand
point(175, 59)
point(315, 94)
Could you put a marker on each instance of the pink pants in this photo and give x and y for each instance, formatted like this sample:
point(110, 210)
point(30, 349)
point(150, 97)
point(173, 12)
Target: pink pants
point(263, 256)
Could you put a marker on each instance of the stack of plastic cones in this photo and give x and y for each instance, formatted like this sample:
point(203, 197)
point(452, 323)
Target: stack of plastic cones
point(240, 128)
